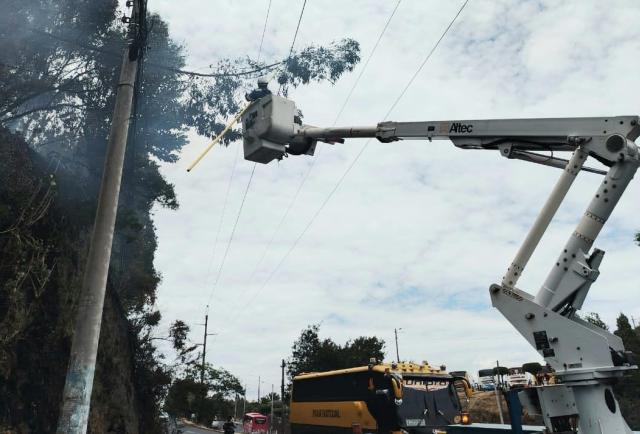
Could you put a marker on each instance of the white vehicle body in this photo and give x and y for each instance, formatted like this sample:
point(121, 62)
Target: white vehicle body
point(517, 378)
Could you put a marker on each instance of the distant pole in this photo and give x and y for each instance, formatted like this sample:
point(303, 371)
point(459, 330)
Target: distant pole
point(258, 391)
point(397, 352)
point(204, 348)
point(271, 419)
point(204, 345)
point(76, 396)
point(244, 401)
point(282, 383)
point(235, 407)
point(498, 400)
point(283, 406)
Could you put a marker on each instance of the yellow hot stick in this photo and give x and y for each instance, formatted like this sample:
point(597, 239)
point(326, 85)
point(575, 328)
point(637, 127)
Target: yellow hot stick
point(220, 136)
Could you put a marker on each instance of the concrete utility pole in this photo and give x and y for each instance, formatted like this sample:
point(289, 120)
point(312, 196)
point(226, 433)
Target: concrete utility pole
point(271, 419)
point(397, 352)
point(204, 346)
point(258, 391)
point(235, 407)
point(244, 401)
point(282, 384)
point(76, 397)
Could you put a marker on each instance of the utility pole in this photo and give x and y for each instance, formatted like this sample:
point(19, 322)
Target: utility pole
point(204, 346)
point(76, 397)
point(258, 391)
point(244, 401)
point(235, 407)
point(397, 352)
point(283, 406)
point(282, 384)
point(271, 418)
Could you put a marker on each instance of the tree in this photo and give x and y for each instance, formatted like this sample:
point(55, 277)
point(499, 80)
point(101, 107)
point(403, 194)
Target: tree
point(594, 318)
point(59, 65)
point(362, 349)
point(310, 354)
point(209, 400)
point(628, 387)
point(630, 336)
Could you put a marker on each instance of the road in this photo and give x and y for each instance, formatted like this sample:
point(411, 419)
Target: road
point(188, 429)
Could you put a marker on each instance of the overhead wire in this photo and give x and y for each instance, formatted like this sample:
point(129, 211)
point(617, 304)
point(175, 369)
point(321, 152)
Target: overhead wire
point(233, 231)
point(295, 35)
point(357, 157)
point(264, 29)
point(366, 63)
point(293, 42)
point(312, 164)
point(222, 214)
point(159, 65)
point(291, 47)
point(244, 196)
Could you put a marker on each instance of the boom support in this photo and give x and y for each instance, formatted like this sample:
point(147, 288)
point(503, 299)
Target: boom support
point(586, 358)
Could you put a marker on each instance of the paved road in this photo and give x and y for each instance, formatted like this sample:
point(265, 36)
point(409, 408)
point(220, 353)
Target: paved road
point(187, 429)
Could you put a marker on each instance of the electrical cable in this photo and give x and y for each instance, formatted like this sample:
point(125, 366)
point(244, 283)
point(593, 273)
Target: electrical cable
point(158, 65)
point(366, 63)
point(264, 29)
point(224, 209)
point(312, 164)
point(293, 43)
point(233, 231)
point(344, 104)
point(357, 157)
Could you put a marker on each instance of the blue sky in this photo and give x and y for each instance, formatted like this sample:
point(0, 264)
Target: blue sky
point(424, 227)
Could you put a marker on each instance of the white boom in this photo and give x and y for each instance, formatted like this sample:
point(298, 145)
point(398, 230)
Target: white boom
point(587, 359)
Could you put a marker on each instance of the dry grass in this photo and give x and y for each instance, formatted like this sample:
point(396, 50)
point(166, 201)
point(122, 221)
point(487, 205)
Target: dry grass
point(484, 408)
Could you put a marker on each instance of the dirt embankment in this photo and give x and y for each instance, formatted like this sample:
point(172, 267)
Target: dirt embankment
point(483, 407)
point(42, 248)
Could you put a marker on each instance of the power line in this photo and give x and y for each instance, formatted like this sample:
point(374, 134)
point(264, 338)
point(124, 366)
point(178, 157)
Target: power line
point(309, 169)
point(297, 28)
point(426, 59)
point(158, 65)
point(224, 208)
point(224, 258)
point(233, 231)
point(357, 157)
point(366, 63)
point(293, 42)
point(306, 176)
point(264, 29)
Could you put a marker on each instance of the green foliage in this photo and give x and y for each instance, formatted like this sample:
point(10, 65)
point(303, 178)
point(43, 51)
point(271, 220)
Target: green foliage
point(310, 354)
point(209, 400)
point(178, 332)
point(59, 66)
point(319, 63)
point(594, 318)
point(627, 389)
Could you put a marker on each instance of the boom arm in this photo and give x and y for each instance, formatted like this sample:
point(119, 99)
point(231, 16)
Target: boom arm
point(586, 358)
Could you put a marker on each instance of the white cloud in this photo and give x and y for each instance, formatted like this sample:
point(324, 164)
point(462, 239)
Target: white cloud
point(418, 231)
